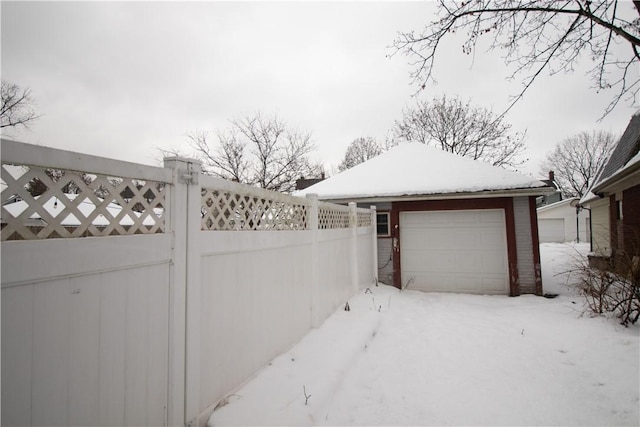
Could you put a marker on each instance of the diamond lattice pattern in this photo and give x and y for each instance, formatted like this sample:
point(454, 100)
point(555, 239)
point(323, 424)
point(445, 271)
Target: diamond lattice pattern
point(364, 219)
point(44, 203)
point(226, 210)
point(333, 216)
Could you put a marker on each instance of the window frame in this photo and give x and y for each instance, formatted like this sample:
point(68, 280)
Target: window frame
point(388, 224)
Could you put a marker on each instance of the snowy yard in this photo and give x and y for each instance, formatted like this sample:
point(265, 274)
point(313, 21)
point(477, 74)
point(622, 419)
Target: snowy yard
point(411, 358)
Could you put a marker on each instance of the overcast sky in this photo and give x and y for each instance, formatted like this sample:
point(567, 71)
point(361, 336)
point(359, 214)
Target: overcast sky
point(120, 79)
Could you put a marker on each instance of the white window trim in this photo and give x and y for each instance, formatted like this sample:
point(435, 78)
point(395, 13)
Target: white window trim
point(388, 234)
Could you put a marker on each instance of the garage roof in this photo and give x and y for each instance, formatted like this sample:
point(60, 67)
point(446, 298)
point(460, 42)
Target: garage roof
point(414, 169)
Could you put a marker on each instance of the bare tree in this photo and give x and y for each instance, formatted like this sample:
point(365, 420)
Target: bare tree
point(18, 107)
point(228, 160)
point(460, 128)
point(578, 160)
point(539, 35)
point(258, 151)
point(360, 150)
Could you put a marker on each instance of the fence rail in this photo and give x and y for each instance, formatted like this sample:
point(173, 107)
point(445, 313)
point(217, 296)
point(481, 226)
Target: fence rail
point(101, 258)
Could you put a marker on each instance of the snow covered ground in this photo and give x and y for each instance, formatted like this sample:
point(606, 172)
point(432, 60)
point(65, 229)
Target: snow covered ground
point(411, 358)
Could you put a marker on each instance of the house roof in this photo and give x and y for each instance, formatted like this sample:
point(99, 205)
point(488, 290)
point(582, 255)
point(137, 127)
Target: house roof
point(559, 204)
point(624, 159)
point(414, 169)
point(626, 152)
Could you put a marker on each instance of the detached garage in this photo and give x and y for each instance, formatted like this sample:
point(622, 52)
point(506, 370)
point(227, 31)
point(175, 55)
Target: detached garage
point(446, 223)
point(551, 229)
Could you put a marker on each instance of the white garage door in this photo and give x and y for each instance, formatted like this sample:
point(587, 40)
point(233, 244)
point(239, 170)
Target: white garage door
point(454, 251)
point(551, 230)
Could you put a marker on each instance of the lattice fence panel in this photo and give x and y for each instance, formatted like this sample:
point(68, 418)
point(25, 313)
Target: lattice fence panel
point(333, 216)
point(229, 210)
point(364, 218)
point(45, 203)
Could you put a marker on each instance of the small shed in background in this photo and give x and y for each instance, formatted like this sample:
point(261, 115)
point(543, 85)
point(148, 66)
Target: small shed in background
point(563, 221)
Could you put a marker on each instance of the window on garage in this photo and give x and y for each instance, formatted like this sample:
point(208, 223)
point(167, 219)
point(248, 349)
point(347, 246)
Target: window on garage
point(382, 221)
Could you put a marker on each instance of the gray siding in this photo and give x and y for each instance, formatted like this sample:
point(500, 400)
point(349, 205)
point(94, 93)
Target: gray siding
point(385, 265)
point(524, 245)
point(381, 206)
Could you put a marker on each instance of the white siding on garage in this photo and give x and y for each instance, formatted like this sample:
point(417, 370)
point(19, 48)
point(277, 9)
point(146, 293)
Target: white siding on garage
point(454, 251)
point(524, 245)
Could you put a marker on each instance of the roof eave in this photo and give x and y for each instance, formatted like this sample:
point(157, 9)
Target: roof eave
point(572, 201)
point(618, 180)
point(517, 192)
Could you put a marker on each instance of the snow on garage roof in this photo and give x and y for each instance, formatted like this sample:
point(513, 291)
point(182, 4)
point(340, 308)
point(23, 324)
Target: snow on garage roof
point(413, 169)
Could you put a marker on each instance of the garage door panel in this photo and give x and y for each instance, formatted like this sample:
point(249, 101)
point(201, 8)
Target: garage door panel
point(433, 262)
point(467, 263)
point(435, 282)
point(488, 217)
point(416, 240)
point(461, 238)
point(414, 221)
point(495, 285)
point(438, 218)
point(454, 251)
point(551, 230)
point(492, 238)
point(494, 262)
point(448, 240)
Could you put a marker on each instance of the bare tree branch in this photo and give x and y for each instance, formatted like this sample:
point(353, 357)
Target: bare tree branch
point(360, 150)
point(537, 35)
point(457, 127)
point(258, 151)
point(18, 107)
point(578, 160)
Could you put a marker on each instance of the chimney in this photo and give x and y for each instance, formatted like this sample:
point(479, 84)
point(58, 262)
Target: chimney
point(322, 175)
point(551, 176)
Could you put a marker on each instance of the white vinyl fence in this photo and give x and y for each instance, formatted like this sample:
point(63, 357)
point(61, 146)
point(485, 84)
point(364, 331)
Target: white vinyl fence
point(136, 295)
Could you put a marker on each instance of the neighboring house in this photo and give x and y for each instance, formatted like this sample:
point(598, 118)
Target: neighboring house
point(303, 182)
point(614, 200)
point(554, 197)
point(563, 221)
point(446, 223)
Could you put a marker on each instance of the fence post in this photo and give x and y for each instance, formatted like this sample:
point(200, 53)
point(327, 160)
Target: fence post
point(353, 215)
point(315, 260)
point(374, 242)
point(184, 297)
